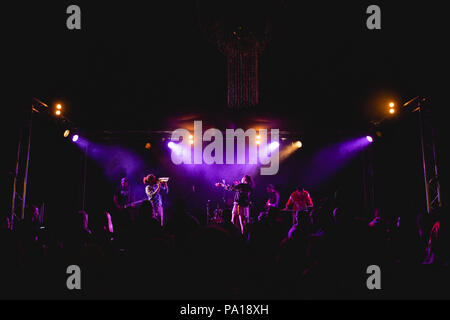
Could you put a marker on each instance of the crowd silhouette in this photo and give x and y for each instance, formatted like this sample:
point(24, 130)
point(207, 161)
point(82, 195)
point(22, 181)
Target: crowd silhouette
point(324, 256)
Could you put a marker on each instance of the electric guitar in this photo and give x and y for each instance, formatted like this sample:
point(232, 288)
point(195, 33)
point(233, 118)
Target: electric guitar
point(269, 204)
point(132, 204)
point(129, 205)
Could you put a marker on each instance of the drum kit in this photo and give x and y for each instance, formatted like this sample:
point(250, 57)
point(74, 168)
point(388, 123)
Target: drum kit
point(214, 215)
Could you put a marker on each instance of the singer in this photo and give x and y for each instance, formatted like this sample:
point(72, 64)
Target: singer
point(153, 189)
point(243, 190)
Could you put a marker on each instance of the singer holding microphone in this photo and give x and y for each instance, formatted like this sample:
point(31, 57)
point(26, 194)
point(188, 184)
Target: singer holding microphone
point(153, 188)
point(243, 190)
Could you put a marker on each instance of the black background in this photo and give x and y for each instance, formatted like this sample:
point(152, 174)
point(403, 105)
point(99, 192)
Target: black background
point(323, 74)
point(148, 66)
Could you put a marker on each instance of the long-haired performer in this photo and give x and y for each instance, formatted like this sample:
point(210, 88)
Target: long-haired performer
point(243, 190)
point(153, 189)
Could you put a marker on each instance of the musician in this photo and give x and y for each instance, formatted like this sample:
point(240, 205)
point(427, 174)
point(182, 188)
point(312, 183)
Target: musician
point(300, 200)
point(122, 216)
point(241, 212)
point(272, 201)
point(153, 191)
point(274, 197)
point(123, 196)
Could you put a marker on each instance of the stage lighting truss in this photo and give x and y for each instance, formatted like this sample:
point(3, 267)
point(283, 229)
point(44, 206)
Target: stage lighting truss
point(421, 106)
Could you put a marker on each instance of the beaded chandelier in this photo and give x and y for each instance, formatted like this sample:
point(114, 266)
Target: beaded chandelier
point(241, 44)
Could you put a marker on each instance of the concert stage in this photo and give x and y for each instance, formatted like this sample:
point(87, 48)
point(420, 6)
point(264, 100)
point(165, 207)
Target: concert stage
point(237, 151)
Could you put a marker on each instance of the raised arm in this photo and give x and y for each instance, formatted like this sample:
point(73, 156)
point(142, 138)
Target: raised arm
point(310, 203)
point(150, 193)
point(165, 187)
point(277, 199)
point(289, 202)
point(226, 186)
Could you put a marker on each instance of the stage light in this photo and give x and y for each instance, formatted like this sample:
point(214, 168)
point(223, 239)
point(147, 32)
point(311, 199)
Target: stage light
point(148, 145)
point(391, 105)
point(75, 138)
point(66, 133)
point(391, 111)
point(258, 139)
point(58, 109)
point(369, 138)
point(176, 148)
point(288, 150)
point(274, 145)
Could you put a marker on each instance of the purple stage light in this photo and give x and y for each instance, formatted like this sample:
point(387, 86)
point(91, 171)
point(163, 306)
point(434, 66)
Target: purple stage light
point(369, 138)
point(274, 145)
point(75, 138)
point(175, 147)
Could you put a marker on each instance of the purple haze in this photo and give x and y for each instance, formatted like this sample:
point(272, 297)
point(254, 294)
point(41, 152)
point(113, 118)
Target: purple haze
point(331, 159)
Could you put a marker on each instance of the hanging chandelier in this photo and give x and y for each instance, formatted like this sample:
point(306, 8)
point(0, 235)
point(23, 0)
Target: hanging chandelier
point(241, 44)
point(241, 49)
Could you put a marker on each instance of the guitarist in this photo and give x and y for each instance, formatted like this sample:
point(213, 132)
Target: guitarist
point(272, 201)
point(153, 188)
point(300, 200)
point(274, 197)
point(122, 197)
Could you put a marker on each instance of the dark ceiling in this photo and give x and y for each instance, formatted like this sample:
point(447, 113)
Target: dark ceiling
point(150, 66)
point(139, 65)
